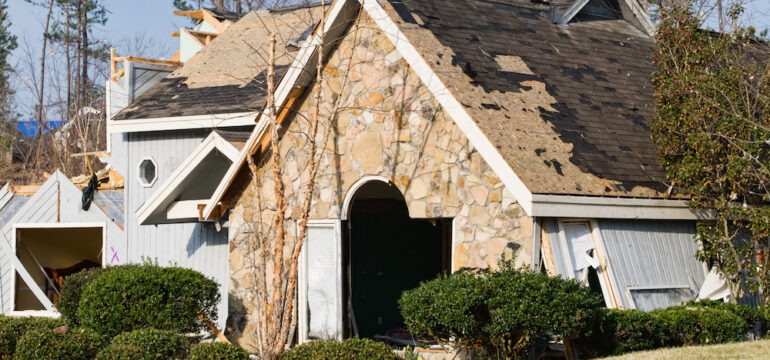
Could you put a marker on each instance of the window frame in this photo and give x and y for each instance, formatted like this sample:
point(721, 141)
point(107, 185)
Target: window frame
point(142, 181)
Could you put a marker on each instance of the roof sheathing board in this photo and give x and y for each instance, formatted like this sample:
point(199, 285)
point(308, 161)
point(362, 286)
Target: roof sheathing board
point(567, 107)
point(228, 75)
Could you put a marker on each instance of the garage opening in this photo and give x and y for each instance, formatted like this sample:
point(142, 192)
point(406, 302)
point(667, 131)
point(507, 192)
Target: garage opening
point(387, 252)
point(50, 254)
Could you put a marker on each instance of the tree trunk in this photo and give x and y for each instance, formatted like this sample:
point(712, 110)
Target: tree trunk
point(39, 111)
point(220, 5)
point(69, 59)
point(84, 40)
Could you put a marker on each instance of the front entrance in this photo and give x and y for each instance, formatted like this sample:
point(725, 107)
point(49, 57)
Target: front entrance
point(387, 252)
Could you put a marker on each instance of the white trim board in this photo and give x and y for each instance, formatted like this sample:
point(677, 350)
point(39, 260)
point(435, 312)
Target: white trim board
point(182, 122)
point(209, 144)
point(594, 207)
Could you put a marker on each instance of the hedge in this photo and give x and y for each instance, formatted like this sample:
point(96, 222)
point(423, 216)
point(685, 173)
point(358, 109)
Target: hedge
point(501, 313)
point(349, 349)
point(146, 344)
point(71, 291)
point(217, 351)
point(633, 330)
point(45, 344)
point(697, 325)
point(148, 296)
point(12, 329)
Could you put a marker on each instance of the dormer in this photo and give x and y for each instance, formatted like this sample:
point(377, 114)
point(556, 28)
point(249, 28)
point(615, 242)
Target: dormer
point(564, 12)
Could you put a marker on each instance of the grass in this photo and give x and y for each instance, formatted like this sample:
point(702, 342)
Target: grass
point(750, 350)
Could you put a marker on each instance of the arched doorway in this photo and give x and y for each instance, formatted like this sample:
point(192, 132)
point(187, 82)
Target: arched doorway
point(387, 252)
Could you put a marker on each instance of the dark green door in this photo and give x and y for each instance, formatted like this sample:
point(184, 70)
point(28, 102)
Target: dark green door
point(390, 253)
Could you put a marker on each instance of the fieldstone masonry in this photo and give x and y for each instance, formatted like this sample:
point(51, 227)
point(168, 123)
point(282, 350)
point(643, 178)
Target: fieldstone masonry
point(377, 118)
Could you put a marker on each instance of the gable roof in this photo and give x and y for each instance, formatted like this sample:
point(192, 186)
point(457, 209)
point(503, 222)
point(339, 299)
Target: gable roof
point(192, 180)
point(227, 76)
point(559, 113)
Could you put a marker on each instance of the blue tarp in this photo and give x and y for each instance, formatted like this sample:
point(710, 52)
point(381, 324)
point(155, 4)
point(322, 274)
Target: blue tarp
point(29, 128)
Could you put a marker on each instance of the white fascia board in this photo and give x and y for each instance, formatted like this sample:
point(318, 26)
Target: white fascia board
point(187, 209)
point(593, 207)
point(283, 89)
point(450, 104)
point(182, 122)
point(213, 141)
point(642, 16)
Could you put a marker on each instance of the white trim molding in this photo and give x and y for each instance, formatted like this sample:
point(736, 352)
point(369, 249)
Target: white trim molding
point(50, 310)
point(182, 122)
point(212, 142)
point(345, 211)
point(595, 207)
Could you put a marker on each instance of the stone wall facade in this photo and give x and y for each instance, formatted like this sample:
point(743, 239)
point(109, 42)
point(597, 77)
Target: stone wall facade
point(378, 119)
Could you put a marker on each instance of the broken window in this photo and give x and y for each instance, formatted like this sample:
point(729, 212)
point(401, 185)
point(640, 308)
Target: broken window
point(50, 254)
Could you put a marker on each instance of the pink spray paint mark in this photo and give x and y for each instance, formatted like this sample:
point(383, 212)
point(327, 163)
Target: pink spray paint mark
point(114, 256)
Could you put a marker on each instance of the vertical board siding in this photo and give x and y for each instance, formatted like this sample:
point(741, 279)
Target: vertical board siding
point(653, 254)
point(144, 79)
point(198, 246)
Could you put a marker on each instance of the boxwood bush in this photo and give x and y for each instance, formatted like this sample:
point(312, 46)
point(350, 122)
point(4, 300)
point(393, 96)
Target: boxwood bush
point(501, 313)
point(349, 349)
point(146, 344)
point(632, 330)
point(148, 296)
point(696, 325)
point(72, 288)
point(13, 328)
point(217, 351)
point(45, 344)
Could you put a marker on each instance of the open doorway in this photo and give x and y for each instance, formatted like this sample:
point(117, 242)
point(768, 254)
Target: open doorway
point(51, 252)
point(386, 252)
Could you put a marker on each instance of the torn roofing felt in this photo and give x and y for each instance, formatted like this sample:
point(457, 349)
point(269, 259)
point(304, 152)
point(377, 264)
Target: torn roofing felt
point(568, 107)
point(228, 75)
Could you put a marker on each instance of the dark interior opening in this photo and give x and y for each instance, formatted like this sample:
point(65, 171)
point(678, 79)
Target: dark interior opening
point(387, 253)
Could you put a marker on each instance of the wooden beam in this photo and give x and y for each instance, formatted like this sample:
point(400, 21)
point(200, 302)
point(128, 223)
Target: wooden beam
point(113, 63)
point(91, 153)
point(283, 113)
point(209, 18)
point(148, 61)
point(195, 14)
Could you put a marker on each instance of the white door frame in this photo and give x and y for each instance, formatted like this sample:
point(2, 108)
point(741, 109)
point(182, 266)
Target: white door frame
point(50, 309)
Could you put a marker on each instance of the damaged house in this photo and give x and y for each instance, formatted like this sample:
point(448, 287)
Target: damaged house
point(453, 133)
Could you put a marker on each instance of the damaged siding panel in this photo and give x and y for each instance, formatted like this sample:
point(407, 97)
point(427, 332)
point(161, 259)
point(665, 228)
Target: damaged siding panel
point(552, 229)
point(653, 262)
point(45, 211)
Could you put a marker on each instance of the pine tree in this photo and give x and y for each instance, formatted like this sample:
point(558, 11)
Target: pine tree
point(7, 45)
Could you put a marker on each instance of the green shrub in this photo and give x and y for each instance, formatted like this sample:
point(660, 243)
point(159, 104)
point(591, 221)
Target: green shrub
point(135, 297)
point(73, 287)
point(503, 312)
point(217, 351)
point(145, 344)
point(696, 325)
point(349, 349)
point(45, 344)
point(452, 305)
point(12, 329)
point(634, 330)
point(752, 315)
